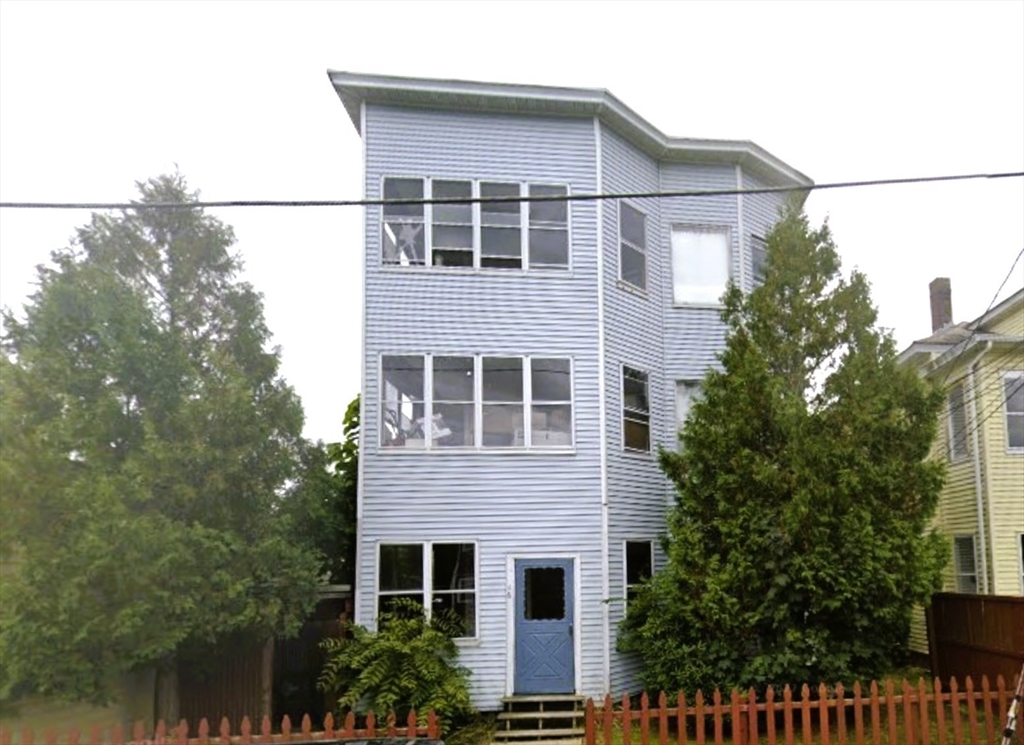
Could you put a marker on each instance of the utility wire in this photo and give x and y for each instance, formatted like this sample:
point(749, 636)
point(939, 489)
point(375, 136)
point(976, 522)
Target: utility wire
point(995, 409)
point(685, 194)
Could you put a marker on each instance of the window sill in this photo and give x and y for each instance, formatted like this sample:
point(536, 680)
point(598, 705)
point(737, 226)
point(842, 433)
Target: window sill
point(646, 454)
point(468, 271)
point(697, 306)
point(633, 289)
point(551, 450)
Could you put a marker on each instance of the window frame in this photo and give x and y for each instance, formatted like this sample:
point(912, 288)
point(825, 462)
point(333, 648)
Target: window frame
point(642, 250)
point(478, 404)
point(477, 225)
point(958, 574)
point(684, 227)
point(622, 401)
point(626, 586)
point(1007, 376)
point(427, 580)
point(956, 456)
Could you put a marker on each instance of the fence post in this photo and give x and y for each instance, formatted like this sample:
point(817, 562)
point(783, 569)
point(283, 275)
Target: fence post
point(987, 703)
point(823, 723)
point(681, 718)
point(805, 711)
point(737, 719)
point(787, 713)
point(627, 721)
point(841, 713)
point(645, 719)
point(700, 718)
point(608, 713)
point(972, 711)
point(922, 695)
point(588, 723)
point(662, 719)
point(769, 715)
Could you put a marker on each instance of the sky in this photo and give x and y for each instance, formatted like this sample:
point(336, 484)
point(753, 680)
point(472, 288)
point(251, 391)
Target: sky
point(97, 96)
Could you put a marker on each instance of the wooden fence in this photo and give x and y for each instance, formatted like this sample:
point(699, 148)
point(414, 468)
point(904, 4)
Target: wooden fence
point(906, 714)
point(976, 635)
point(180, 735)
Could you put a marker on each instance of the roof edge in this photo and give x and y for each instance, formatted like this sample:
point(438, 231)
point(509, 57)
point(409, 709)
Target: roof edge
point(354, 88)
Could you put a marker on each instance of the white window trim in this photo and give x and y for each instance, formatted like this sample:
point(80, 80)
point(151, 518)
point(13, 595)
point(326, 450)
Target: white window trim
point(642, 249)
point(957, 574)
point(478, 446)
point(428, 579)
point(701, 228)
point(524, 225)
point(950, 428)
point(623, 410)
point(625, 567)
point(1009, 375)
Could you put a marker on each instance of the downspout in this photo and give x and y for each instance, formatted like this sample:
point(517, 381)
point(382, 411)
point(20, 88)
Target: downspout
point(978, 484)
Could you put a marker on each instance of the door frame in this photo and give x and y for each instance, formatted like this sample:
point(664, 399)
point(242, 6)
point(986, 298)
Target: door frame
point(510, 614)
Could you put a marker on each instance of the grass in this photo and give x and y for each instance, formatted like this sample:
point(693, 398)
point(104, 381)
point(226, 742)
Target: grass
point(478, 731)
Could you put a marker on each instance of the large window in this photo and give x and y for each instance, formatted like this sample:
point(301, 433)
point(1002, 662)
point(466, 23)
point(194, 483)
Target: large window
point(964, 564)
point(700, 265)
point(636, 410)
point(957, 424)
point(438, 576)
point(518, 402)
point(1013, 390)
point(632, 246)
point(639, 563)
point(503, 231)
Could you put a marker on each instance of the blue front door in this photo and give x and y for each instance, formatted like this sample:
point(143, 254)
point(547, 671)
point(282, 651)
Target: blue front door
point(545, 657)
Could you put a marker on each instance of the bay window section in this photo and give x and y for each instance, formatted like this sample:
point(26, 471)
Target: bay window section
point(549, 228)
point(551, 409)
point(402, 401)
point(453, 417)
point(503, 402)
point(700, 265)
point(452, 224)
point(403, 239)
point(501, 242)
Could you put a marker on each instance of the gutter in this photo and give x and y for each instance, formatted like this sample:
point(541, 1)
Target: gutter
point(978, 485)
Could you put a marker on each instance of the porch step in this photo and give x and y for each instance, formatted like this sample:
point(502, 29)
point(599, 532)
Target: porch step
point(543, 698)
point(564, 714)
point(555, 719)
point(538, 734)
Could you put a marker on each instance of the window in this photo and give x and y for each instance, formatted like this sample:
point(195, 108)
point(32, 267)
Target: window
point(957, 424)
point(1021, 563)
point(639, 565)
point(403, 238)
point(636, 410)
point(451, 579)
point(964, 564)
point(758, 258)
point(498, 234)
point(687, 392)
point(632, 246)
point(700, 265)
point(1013, 389)
point(518, 402)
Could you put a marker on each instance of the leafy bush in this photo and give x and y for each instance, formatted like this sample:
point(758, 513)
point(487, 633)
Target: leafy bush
point(409, 663)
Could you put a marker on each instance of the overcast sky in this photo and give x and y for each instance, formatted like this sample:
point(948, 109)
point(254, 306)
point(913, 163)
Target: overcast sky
point(95, 96)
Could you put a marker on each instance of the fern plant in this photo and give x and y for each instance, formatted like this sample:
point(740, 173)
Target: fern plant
point(409, 663)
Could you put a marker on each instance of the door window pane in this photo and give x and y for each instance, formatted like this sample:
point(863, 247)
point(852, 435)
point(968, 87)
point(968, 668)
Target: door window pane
point(544, 593)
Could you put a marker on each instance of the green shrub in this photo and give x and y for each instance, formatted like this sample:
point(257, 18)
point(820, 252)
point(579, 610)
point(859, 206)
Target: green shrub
point(409, 663)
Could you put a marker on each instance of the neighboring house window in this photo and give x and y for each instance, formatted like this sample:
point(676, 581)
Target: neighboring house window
point(957, 424)
point(639, 565)
point(758, 258)
point(632, 246)
point(1013, 388)
point(964, 564)
point(403, 240)
point(636, 410)
point(438, 576)
point(497, 234)
point(518, 402)
point(687, 392)
point(1021, 563)
point(700, 265)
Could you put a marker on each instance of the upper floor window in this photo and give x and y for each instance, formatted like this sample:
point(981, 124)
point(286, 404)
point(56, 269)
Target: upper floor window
point(505, 231)
point(758, 258)
point(636, 410)
point(1013, 390)
point(443, 401)
point(957, 424)
point(632, 246)
point(700, 265)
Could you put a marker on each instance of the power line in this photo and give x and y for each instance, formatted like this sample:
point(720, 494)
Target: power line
point(1000, 401)
point(686, 194)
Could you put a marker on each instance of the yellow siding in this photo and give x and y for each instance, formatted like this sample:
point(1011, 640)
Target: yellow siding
point(1011, 322)
point(918, 631)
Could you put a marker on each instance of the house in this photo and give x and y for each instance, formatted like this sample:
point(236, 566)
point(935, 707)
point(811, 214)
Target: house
point(523, 361)
point(981, 509)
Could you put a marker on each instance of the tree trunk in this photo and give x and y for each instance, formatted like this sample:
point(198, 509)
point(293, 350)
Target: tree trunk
point(165, 694)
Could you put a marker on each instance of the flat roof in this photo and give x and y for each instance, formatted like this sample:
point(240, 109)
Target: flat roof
point(460, 95)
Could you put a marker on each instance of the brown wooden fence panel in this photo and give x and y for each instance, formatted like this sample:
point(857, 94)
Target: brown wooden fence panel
point(976, 635)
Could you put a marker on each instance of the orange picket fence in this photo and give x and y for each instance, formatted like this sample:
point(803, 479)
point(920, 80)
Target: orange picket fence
point(924, 714)
point(180, 735)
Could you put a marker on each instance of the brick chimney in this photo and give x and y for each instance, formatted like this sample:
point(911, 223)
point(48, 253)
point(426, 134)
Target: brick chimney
point(942, 303)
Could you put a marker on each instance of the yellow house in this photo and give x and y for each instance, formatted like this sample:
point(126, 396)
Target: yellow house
point(980, 365)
